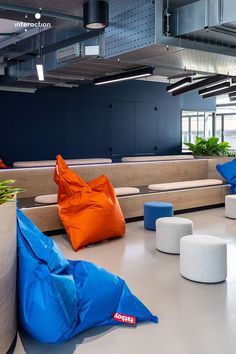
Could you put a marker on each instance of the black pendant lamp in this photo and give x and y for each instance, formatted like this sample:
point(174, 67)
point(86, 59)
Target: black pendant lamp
point(96, 14)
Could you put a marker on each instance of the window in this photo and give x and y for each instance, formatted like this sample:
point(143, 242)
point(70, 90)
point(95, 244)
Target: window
point(208, 124)
point(225, 125)
point(219, 127)
point(185, 130)
point(196, 123)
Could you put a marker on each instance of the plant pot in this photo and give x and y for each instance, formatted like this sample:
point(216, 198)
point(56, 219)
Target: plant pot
point(8, 261)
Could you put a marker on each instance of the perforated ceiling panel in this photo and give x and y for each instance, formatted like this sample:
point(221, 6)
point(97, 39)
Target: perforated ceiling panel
point(132, 26)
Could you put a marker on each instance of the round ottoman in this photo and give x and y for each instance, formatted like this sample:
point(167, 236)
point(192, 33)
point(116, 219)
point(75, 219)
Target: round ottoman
point(230, 206)
point(154, 211)
point(169, 231)
point(203, 258)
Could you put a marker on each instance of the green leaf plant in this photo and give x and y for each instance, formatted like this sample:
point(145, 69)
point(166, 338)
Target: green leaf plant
point(7, 192)
point(209, 147)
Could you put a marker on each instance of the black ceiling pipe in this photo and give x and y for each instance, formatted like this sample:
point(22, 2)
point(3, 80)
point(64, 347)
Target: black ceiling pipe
point(95, 14)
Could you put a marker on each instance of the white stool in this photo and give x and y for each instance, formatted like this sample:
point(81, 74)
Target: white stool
point(169, 231)
point(203, 258)
point(230, 206)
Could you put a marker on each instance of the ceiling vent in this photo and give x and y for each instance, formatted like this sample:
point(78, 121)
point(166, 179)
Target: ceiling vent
point(68, 53)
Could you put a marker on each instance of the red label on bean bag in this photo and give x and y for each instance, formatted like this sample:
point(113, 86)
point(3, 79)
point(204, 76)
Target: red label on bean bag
point(124, 318)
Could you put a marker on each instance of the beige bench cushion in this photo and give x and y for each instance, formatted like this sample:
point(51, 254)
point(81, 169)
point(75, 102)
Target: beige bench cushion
point(51, 163)
point(155, 158)
point(185, 184)
point(46, 199)
point(52, 198)
point(126, 190)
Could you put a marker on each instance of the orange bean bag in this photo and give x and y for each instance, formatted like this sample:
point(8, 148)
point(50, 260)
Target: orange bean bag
point(90, 212)
point(2, 164)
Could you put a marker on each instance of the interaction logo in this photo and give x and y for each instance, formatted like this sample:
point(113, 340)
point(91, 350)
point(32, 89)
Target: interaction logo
point(28, 25)
point(124, 318)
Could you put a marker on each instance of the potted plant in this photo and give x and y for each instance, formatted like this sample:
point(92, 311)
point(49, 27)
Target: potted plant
point(209, 148)
point(8, 260)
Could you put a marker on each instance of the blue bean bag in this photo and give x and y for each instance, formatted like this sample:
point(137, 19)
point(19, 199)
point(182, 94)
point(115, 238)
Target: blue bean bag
point(58, 298)
point(228, 172)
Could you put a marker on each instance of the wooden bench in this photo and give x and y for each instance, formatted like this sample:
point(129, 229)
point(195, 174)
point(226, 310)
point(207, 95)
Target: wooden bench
point(39, 181)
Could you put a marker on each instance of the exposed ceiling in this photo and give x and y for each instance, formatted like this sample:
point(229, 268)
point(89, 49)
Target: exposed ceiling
point(173, 60)
point(81, 71)
point(206, 45)
point(137, 36)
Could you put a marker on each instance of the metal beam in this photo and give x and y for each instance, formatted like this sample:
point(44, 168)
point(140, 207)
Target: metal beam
point(9, 34)
point(66, 77)
point(47, 13)
point(50, 82)
point(21, 36)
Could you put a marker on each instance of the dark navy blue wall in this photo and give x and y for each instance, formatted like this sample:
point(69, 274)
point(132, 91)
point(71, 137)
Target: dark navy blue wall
point(78, 122)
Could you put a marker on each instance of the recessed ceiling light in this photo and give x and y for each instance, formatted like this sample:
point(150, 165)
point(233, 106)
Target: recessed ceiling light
point(37, 15)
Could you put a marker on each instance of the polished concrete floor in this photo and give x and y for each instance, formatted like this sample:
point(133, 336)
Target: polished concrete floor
point(193, 318)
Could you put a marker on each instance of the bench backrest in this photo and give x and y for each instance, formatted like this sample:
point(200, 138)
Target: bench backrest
point(156, 158)
point(39, 181)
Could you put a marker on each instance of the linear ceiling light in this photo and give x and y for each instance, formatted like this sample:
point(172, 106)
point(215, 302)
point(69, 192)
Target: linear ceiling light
point(232, 99)
point(128, 75)
point(18, 89)
point(202, 83)
point(186, 81)
point(233, 94)
point(214, 88)
point(95, 14)
point(39, 67)
point(220, 92)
